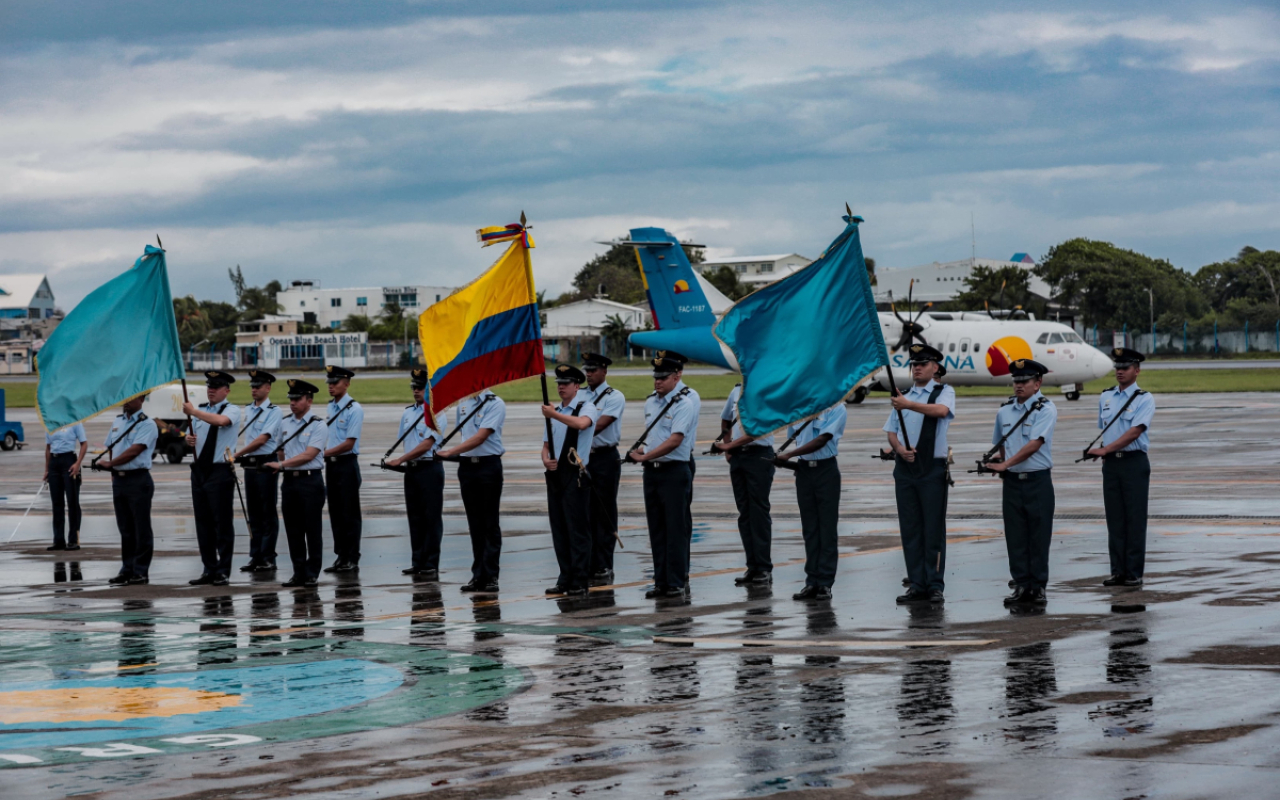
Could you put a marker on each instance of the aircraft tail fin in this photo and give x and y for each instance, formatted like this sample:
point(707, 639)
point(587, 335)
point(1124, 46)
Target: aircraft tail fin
point(675, 295)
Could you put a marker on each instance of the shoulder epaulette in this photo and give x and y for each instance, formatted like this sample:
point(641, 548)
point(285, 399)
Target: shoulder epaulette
point(655, 394)
point(141, 416)
point(412, 405)
point(1008, 402)
point(736, 385)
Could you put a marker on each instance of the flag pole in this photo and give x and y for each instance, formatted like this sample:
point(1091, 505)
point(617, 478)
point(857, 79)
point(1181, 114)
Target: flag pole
point(528, 264)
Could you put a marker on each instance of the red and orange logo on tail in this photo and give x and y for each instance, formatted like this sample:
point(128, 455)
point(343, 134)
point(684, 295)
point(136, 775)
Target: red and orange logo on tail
point(681, 286)
point(1005, 351)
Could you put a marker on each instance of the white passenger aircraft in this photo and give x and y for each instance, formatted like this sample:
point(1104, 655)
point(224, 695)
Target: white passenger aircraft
point(977, 346)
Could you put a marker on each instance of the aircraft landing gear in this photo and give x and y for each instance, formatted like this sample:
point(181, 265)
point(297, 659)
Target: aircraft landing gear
point(1071, 395)
point(859, 395)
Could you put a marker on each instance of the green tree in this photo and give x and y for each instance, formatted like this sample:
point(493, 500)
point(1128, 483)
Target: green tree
point(357, 323)
point(871, 269)
point(222, 323)
point(193, 322)
point(1246, 287)
point(1108, 285)
point(1006, 288)
point(254, 302)
point(726, 280)
point(615, 332)
point(618, 272)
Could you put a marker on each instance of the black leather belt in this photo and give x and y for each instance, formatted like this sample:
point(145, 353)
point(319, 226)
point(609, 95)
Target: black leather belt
point(289, 473)
point(1125, 454)
point(813, 464)
point(476, 459)
point(604, 447)
point(341, 458)
point(661, 464)
point(418, 464)
point(753, 448)
point(128, 473)
point(1021, 476)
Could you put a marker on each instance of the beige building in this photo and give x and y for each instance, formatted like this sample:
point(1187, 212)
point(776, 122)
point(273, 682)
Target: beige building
point(757, 269)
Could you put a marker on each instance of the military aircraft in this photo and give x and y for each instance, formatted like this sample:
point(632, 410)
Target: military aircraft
point(977, 346)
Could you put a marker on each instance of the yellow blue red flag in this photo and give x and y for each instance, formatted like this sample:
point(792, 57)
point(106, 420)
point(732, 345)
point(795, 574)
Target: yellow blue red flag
point(487, 332)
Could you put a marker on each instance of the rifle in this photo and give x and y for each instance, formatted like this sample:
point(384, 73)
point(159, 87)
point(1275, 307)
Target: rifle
point(231, 459)
point(1123, 408)
point(627, 459)
point(712, 451)
point(989, 456)
point(783, 463)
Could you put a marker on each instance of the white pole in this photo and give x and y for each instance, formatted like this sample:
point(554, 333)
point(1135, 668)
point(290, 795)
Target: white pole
point(28, 511)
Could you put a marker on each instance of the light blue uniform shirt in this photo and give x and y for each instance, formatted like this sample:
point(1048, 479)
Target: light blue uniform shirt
point(730, 412)
point(492, 416)
point(830, 421)
point(1038, 426)
point(66, 440)
point(1139, 412)
point(682, 417)
point(144, 433)
point(256, 424)
point(314, 436)
point(225, 436)
point(915, 420)
point(611, 403)
point(421, 430)
point(559, 429)
point(347, 425)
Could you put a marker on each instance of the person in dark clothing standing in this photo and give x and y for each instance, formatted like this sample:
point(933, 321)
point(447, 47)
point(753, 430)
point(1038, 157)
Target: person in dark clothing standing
point(480, 482)
point(215, 427)
point(131, 444)
point(63, 454)
point(342, 470)
point(920, 473)
point(302, 440)
point(568, 482)
point(751, 471)
point(423, 483)
point(606, 464)
point(261, 486)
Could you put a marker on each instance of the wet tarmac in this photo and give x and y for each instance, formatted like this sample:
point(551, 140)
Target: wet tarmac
point(377, 686)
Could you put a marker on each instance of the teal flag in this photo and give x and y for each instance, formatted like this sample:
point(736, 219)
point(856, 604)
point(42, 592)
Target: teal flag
point(806, 341)
point(120, 342)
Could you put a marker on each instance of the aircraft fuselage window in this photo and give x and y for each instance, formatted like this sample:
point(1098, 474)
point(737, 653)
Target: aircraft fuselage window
point(952, 347)
point(964, 345)
point(1055, 339)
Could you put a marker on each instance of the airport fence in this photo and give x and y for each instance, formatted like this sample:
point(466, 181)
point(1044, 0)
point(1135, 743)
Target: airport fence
point(1185, 341)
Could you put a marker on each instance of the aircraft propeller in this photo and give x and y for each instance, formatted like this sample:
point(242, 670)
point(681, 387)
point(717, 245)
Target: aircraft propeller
point(911, 328)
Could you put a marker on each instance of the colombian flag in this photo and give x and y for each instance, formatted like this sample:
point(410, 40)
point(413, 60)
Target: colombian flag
point(487, 332)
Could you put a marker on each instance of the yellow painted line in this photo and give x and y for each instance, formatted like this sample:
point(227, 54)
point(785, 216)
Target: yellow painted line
point(116, 669)
point(852, 644)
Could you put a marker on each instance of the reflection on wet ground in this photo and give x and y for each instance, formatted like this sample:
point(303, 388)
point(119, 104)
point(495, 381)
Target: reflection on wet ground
point(1165, 691)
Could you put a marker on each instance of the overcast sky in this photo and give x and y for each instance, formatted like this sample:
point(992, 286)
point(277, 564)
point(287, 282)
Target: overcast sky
point(362, 144)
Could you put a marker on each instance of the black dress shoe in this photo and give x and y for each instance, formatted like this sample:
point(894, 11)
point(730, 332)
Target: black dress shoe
point(220, 580)
point(605, 575)
point(576, 591)
point(427, 575)
point(654, 591)
point(204, 579)
point(266, 566)
point(1037, 597)
point(335, 567)
point(56, 547)
point(672, 591)
point(310, 582)
point(912, 596)
point(138, 580)
point(120, 579)
point(471, 586)
point(936, 596)
point(1132, 582)
point(557, 589)
point(252, 566)
point(812, 593)
point(409, 571)
point(73, 546)
point(294, 581)
point(1019, 595)
point(488, 588)
point(1114, 580)
point(349, 566)
point(745, 577)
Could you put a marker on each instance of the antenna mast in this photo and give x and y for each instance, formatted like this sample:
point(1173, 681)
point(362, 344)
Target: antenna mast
point(973, 241)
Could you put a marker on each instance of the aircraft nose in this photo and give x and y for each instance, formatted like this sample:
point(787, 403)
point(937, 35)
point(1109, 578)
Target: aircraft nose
point(1099, 364)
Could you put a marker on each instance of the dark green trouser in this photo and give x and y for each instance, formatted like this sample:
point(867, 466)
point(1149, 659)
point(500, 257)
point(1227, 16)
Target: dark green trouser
point(751, 472)
point(922, 521)
point(1028, 526)
point(1125, 484)
point(818, 495)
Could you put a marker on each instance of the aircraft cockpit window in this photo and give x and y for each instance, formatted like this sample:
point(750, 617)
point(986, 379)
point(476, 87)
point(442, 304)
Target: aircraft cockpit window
point(1055, 339)
point(1074, 338)
point(1044, 337)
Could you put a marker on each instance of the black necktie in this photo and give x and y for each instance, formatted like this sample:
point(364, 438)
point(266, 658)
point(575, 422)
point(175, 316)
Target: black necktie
point(205, 459)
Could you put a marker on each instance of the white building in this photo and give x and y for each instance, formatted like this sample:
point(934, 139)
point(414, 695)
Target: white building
point(940, 282)
point(329, 307)
point(757, 269)
point(575, 328)
point(25, 297)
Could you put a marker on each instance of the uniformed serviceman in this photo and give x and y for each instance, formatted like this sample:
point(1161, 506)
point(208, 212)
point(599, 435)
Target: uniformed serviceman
point(63, 454)
point(261, 486)
point(215, 426)
point(606, 463)
point(131, 444)
point(665, 455)
point(1025, 423)
point(573, 424)
point(302, 442)
point(1124, 414)
point(480, 483)
point(751, 471)
point(423, 483)
point(818, 495)
point(920, 473)
point(342, 469)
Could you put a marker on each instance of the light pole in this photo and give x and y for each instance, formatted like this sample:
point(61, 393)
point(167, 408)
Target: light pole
point(1152, 299)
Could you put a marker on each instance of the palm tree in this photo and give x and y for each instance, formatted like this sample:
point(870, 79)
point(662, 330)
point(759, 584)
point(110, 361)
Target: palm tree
point(615, 331)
